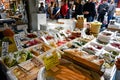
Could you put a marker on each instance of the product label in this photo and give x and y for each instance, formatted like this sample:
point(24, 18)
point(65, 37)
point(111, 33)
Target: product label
point(65, 34)
point(5, 48)
point(51, 60)
point(45, 40)
point(40, 33)
point(25, 30)
point(36, 61)
point(18, 42)
point(59, 36)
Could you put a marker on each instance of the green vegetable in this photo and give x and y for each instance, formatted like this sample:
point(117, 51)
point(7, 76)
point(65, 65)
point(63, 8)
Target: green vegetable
point(29, 56)
point(9, 62)
point(115, 53)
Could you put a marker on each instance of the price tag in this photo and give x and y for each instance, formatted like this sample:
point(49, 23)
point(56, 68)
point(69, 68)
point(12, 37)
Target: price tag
point(65, 34)
point(40, 33)
point(59, 36)
point(22, 34)
point(55, 38)
point(25, 30)
point(51, 60)
point(4, 48)
point(36, 61)
point(18, 42)
point(45, 40)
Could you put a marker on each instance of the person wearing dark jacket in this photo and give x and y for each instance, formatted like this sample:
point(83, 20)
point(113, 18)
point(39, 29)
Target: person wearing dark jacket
point(102, 9)
point(78, 8)
point(42, 8)
point(111, 11)
point(89, 10)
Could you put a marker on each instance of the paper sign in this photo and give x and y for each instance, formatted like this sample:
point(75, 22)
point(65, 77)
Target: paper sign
point(18, 42)
point(45, 40)
point(4, 48)
point(51, 60)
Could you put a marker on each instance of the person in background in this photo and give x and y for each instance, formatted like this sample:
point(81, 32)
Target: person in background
point(64, 9)
point(50, 9)
point(89, 10)
point(2, 7)
point(56, 11)
point(78, 8)
point(118, 63)
point(41, 8)
point(118, 5)
point(111, 10)
point(117, 74)
point(4, 15)
point(102, 9)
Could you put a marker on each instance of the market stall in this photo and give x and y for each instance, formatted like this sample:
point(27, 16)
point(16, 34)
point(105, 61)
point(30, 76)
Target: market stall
point(47, 54)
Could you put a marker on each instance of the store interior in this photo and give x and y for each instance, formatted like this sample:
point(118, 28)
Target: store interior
point(36, 44)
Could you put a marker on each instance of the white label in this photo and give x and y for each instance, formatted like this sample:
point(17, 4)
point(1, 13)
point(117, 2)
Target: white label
point(45, 40)
point(4, 48)
point(25, 30)
point(65, 34)
point(18, 42)
point(38, 33)
point(59, 36)
point(48, 54)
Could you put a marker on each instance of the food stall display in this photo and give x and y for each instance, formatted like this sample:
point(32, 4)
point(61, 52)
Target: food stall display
point(15, 58)
point(27, 70)
point(84, 51)
point(67, 70)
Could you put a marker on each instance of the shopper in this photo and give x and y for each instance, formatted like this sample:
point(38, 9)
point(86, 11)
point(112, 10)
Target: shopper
point(56, 11)
point(78, 8)
point(4, 15)
point(102, 9)
point(50, 9)
point(42, 8)
point(118, 63)
point(117, 75)
point(64, 9)
point(111, 11)
point(89, 10)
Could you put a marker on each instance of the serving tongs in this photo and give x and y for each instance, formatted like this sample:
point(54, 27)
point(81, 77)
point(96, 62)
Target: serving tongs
point(23, 69)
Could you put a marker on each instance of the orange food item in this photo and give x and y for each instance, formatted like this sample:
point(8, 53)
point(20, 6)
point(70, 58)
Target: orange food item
point(68, 74)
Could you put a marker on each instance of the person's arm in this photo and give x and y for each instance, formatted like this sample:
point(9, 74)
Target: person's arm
point(118, 63)
point(3, 7)
point(93, 10)
point(98, 9)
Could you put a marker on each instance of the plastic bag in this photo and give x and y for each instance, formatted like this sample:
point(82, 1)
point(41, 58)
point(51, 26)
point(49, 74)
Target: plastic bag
point(105, 19)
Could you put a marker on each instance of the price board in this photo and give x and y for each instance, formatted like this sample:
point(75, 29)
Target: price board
point(51, 59)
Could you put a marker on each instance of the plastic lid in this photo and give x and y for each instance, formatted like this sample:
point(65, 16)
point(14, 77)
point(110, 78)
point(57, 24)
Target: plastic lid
point(96, 23)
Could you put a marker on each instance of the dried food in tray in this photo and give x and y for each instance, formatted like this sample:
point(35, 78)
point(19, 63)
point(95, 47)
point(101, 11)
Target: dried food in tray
point(17, 73)
point(68, 71)
point(109, 60)
point(90, 49)
point(39, 49)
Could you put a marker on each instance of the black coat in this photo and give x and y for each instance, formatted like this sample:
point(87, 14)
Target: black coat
point(78, 9)
point(90, 7)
